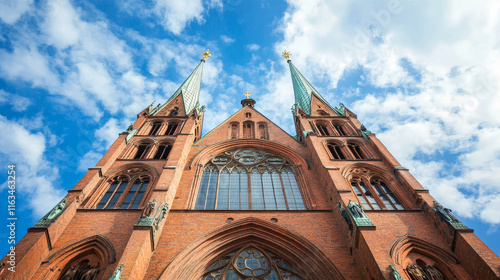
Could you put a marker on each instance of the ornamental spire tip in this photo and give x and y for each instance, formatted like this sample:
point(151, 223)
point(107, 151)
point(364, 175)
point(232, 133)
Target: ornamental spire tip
point(286, 55)
point(206, 54)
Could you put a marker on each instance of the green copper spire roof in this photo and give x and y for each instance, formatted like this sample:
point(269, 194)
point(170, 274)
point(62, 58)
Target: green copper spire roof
point(303, 90)
point(190, 90)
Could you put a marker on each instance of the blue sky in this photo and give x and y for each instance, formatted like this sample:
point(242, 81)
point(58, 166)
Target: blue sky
point(422, 75)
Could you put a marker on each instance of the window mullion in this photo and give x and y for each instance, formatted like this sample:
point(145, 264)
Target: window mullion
point(283, 190)
point(249, 187)
point(113, 194)
point(208, 188)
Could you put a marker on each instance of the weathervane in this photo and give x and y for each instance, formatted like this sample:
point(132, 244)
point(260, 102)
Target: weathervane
point(247, 94)
point(286, 55)
point(206, 54)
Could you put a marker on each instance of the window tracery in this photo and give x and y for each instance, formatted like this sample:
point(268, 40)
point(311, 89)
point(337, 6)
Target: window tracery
point(82, 270)
point(160, 127)
point(423, 271)
point(251, 263)
point(372, 192)
point(356, 151)
point(125, 191)
point(148, 149)
point(335, 150)
point(248, 179)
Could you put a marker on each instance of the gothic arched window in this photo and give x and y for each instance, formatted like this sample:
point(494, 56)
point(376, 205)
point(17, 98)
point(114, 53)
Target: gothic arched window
point(252, 263)
point(323, 129)
point(248, 179)
point(340, 130)
point(375, 195)
point(335, 151)
point(171, 128)
point(124, 194)
point(356, 151)
point(386, 195)
point(142, 151)
point(154, 128)
point(162, 151)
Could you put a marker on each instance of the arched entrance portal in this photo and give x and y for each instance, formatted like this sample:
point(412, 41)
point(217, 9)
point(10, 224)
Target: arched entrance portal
point(264, 247)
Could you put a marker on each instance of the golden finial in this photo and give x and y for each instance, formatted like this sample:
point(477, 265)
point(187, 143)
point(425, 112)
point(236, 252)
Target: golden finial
point(286, 55)
point(206, 54)
point(247, 94)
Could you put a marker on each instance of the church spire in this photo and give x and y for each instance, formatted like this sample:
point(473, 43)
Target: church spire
point(303, 90)
point(190, 89)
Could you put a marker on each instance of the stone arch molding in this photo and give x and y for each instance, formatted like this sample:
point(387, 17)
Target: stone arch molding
point(98, 246)
point(289, 154)
point(407, 245)
point(366, 170)
point(191, 262)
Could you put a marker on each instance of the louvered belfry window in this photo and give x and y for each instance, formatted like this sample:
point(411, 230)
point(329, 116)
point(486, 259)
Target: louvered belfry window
point(248, 179)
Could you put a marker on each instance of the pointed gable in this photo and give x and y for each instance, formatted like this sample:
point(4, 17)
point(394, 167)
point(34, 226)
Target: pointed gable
point(173, 107)
point(246, 123)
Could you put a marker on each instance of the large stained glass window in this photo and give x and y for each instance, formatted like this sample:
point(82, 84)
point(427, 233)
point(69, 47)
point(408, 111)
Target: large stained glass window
point(251, 263)
point(248, 179)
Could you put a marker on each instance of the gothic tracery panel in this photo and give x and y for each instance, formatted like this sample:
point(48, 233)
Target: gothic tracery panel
point(248, 179)
point(251, 263)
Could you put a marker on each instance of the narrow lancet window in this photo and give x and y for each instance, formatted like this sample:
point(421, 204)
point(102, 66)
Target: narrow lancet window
point(335, 151)
point(356, 151)
point(154, 128)
point(142, 151)
point(163, 151)
point(171, 128)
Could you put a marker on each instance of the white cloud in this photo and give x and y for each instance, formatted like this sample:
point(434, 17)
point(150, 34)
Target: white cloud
point(440, 62)
point(18, 103)
point(11, 11)
point(253, 47)
point(26, 63)
point(175, 15)
point(37, 176)
point(227, 39)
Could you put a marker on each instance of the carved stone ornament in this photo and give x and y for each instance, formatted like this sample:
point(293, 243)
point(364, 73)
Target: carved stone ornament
point(358, 214)
point(395, 273)
point(160, 215)
point(147, 217)
point(81, 271)
point(344, 214)
point(340, 110)
point(365, 132)
point(294, 109)
point(448, 217)
point(118, 273)
point(149, 209)
point(424, 272)
point(50, 217)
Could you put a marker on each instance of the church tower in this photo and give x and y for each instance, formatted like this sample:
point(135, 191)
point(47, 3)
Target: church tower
point(249, 201)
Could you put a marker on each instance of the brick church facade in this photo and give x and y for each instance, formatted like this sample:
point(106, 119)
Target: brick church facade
point(249, 201)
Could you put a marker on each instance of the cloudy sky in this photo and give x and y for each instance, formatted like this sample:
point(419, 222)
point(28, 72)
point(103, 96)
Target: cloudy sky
point(422, 75)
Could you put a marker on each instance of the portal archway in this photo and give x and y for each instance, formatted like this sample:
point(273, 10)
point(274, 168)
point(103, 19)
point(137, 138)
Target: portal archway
point(298, 252)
